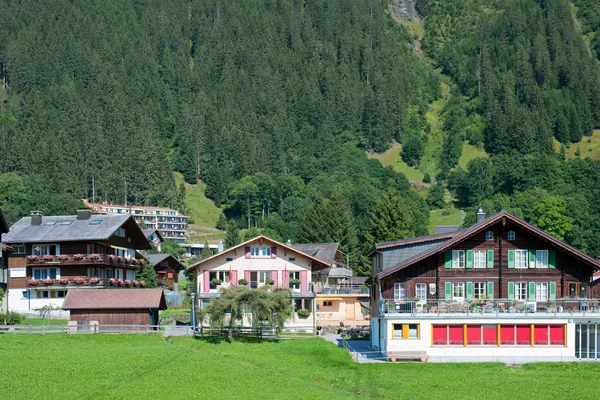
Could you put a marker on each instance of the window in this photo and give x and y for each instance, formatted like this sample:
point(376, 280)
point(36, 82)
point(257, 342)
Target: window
point(458, 258)
point(421, 291)
point(521, 290)
point(521, 258)
point(260, 252)
point(223, 276)
point(292, 258)
point(50, 223)
point(458, 290)
point(405, 331)
point(108, 273)
point(46, 250)
point(541, 291)
point(399, 291)
point(45, 273)
point(254, 252)
point(118, 273)
point(43, 294)
point(541, 259)
point(489, 235)
point(302, 304)
point(327, 303)
point(479, 290)
point(263, 276)
point(19, 249)
point(120, 232)
point(60, 294)
point(95, 222)
point(266, 252)
point(229, 259)
point(479, 258)
point(25, 294)
point(66, 222)
point(294, 276)
point(511, 235)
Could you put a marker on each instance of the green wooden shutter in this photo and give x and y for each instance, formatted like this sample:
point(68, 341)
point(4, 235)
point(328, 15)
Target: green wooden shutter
point(469, 290)
point(511, 259)
point(447, 291)
point(469, 258)
point(531, 258)
point(531, 295)
point(448, 263)
point(552, 258)
point(490, 260)
point(552, 291)
point(511, 290)
point(490, 290)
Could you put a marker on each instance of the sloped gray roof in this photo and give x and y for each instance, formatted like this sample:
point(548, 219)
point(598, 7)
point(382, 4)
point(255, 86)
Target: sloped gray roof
point(60, 231)
point(95, 299)
point(154, 259)
point(323, 251)
point(446, 228)
point(148, 232)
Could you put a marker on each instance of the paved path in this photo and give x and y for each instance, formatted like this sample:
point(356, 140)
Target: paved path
point(360, 350)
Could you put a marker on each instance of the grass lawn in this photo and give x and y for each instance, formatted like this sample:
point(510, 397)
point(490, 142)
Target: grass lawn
point(436, 218)
point(146, 366)
point(43, 321)
point(392, 158)
point(589, 146)
point(174, 311)
point(469, 153)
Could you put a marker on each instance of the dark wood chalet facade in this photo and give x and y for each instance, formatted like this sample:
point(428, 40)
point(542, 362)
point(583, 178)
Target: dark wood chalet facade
point(500, 257)
point(53, 254)
point(5, 250)
point(167, 268)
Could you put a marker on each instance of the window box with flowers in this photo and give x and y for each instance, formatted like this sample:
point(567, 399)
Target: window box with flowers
point(79, 281)
point(142, 262)
point(112, 258)
point(79, 257)
point(32, 282)
point(112, 282)
point(143, 284)
point(47, 282)
point(48, 258)
point(269, 282)
point(216, 282)
point(294, 283)
point(120, 282)
point(33, 258)
point(120, 260)
point(61, 281)
point(63, 257)
point(128, 283)
point(136, 283)
point(95, 257)
point(95, 281)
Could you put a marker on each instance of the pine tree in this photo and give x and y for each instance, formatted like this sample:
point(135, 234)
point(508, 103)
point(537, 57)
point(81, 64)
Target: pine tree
point(390, 220)
point(205, 253)
point(435, 196)
point(232, 237)
point(148, 275)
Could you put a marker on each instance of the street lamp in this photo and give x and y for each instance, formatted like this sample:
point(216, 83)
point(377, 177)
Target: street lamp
point(193, 294)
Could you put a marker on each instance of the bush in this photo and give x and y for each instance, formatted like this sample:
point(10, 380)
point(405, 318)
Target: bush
point(269, 281)
point(216, 282)
point(11, 318)
point(242, 282)
point(303, 313)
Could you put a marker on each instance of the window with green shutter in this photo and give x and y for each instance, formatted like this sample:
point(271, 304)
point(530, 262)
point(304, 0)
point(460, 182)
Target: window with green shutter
point(448, 259)
point(552, 291)
point(511, 259)
point(531, 292)
point(469, 290)
point(469, 258)
point(490, 258)
point(531, 258)
point(552, 258)
point(490, 290)
point(511, 290)
point(448, 291)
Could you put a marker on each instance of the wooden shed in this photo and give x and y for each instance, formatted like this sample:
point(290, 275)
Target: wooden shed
point(115, 306)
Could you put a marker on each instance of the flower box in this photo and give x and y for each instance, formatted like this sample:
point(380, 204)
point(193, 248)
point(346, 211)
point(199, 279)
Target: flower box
point(136, 283)
point(62, 281)
point(112, 282)
point(32, 282)
point(79, 257)
point(33, 258)
point(95, 281)
point(143, 284)
point(63, 257)
point(79, 281)
point(95, 257)
point(120, 282)
point(46, 282)
point(48, 257)
point(128, 283)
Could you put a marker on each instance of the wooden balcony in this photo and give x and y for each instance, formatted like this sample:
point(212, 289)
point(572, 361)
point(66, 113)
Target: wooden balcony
point(85, 259)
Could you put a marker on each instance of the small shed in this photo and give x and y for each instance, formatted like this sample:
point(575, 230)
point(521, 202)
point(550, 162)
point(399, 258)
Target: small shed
point(166, 266)
point(115, 306)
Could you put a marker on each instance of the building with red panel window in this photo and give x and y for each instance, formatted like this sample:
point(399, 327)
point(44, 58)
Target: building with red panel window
point(499, 290)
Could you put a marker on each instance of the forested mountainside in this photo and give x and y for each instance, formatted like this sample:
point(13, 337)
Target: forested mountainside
point(273, 104)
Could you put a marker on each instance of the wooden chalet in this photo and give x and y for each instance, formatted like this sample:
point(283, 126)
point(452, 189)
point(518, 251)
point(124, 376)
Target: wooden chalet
point(502, 269)
point(166, 266)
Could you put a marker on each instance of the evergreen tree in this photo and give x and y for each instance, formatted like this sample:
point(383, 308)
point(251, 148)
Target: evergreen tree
point(435, 196)
point(205, 253)
point(148, 275)
point(232, 237)
point(391, 220)
point(412, 150)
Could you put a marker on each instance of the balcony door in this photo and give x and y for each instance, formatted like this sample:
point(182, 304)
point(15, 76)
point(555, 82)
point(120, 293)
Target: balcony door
point(253, 279)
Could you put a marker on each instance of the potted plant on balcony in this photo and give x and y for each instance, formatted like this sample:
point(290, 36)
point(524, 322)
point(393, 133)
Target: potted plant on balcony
point(294, 282)
point(33, 258)
point(128, 282)
point(63, 257)
point(78, 257)
point(303, 313)
point(112, 258)
point(62, 281)
point(242, 282)
point(143, 284)
point(120, 282)
point(95, 257)
point(32, 282)
point(425, 307)
point(47, 282)
point(79, 281)
point(95, 280)
point(136, 283)
point(120, 260)
point(112, 282)
point(216, 282)
point(133, 261)
point(48, 257)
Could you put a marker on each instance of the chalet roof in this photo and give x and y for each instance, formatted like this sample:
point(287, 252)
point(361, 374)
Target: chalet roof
point(68, 228)
point(478, 227)
point(446, 228)
point(149, 232)
point(416, 240)
point(323, 251)
point(320, 262)
point(354, 280)
point(155, 259)
point(97, 299)
point(3, 224)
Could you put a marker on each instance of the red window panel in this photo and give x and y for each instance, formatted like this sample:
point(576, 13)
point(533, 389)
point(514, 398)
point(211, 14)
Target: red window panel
point(490, 334)
point(440, 334)
point(473, 334)
point(507, 334)
point(170, 275)
point(455, 335)
point(524, 335)
point(557, 335)
point(540, 335)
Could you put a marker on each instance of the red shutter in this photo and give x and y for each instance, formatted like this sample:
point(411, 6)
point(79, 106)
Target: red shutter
point(473, 334)
point(247, 249)
point(507, 334)
point(247, 276)
point(440, 335)
point(170, 275)
point(523, 334)
point(557, 334)
point(274, 277)
point(540, 333)
point(455, 334)
point(273, 252)
point(206, 281)
point(285, 279)
point(304, 281)
point(233, 278)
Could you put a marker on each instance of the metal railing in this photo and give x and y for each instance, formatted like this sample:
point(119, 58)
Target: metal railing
point(487, 307)
point(342, 289)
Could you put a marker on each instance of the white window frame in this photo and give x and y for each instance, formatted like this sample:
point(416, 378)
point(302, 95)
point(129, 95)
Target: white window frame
point(521, 259)
point(511, 235)
point(421, 291)
point(263, 276)
point(44, 249)
point(541, 258)
point(479, 290)
point(479, 258)
point(489, 235)
point(47, 270)
point(458, 287)
point(223, 276)
point(541, 291)
point(294, 275)
point(260, 252)
point(458, 258)
point(399, 291)
point(521, 289)
point(266, 252)
point(19, 249)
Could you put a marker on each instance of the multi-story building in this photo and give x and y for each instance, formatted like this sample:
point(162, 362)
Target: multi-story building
point(170, 223)
point(54, 254)
point(501, 290)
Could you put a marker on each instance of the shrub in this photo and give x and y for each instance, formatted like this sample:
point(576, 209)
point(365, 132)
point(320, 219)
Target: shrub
point(269, 281)
point(294, 281)
point(303, 313)
point(242, 282)
point(11, 318)
point(216, 282)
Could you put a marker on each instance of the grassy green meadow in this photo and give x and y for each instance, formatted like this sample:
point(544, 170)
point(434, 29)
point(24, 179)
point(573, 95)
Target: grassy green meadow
point(392, 159)
point(437, 218)
point(147, 366)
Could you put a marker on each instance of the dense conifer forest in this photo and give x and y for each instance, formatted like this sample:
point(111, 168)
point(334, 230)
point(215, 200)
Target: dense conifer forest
point(274, 104)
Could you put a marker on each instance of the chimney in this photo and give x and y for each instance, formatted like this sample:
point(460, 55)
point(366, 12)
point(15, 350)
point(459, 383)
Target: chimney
point(84, 214)
point(480, 215)
point(220, 249)
point(36, 218)
point(289, 242)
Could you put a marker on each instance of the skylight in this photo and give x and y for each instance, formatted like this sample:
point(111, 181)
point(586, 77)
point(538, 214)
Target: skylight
point(66, 222)
point(50, 223)
point(95, 222)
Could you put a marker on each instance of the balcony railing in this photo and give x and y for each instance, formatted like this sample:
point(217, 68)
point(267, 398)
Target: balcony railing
point(79, 259)
point(342, 289)
point(498, 307)
point(66, 283)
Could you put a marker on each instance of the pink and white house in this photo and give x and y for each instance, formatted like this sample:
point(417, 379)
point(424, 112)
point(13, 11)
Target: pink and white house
point(258, 262)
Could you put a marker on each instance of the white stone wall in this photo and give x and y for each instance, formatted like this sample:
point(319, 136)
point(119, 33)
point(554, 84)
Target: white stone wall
point(22, 305)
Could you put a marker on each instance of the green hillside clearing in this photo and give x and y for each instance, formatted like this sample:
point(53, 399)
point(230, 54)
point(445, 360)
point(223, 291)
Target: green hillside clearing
point(392, 159)
point(588, 147)
point(437, 218)
point(469, 153)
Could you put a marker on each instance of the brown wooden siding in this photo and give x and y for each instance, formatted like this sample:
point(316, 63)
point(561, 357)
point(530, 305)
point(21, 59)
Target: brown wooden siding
point(114, 317)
